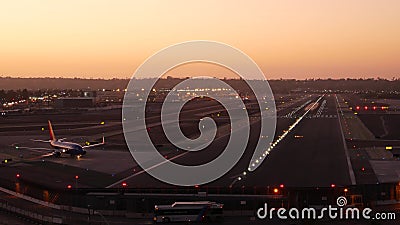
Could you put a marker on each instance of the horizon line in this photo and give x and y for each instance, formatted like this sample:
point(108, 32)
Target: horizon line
point(227, 78)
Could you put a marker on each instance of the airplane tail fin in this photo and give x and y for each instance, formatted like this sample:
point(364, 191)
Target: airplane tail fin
point(52, 136)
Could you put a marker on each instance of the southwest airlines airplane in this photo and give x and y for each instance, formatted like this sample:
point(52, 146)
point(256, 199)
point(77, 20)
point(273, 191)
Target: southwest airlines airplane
point(73, 149)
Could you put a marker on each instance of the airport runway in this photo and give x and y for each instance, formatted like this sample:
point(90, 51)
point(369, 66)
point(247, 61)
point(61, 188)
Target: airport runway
point(107, 163)
point(311, 155)
point(314, 159)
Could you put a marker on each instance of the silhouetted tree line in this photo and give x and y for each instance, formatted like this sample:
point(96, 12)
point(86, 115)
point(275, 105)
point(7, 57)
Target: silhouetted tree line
point(22, 88)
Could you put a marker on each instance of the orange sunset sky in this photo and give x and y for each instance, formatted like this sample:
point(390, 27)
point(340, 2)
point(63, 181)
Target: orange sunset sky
point(287, 39)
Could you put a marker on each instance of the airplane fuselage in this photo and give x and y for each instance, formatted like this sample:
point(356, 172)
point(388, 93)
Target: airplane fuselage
point(68, 148)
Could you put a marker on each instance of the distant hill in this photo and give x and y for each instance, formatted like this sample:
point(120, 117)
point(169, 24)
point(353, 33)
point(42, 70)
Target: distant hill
point(278, 86)
point(7, 83)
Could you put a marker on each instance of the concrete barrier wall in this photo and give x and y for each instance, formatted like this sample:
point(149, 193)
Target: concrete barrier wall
point(28, 198)
point(29, 214)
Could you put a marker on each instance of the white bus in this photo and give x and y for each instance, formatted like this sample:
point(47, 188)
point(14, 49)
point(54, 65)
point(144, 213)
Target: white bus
point(200, 211)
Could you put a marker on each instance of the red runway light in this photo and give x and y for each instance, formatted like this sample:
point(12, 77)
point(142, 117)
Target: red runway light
point(76, 177)
point(17, 175)
point(358, 107)
point(333, 185)
point(363, 169)
point(374, 107)
point(281, 186)
point(366, 107)
point(69, 186)
point(124, 184)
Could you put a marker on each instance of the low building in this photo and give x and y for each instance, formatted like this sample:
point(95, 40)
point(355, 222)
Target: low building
point(109, 96)
point(74, 102)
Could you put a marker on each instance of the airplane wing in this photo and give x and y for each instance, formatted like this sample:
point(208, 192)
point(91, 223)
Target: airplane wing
point(18, 146)
point(44, 152)
point(95, 145)
point(47, 141)
point(46, 155)
point(37, 149)
point(44, 141)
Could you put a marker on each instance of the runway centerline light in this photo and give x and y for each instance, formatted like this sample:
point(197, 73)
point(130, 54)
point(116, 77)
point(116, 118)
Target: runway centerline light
point(276, 190)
